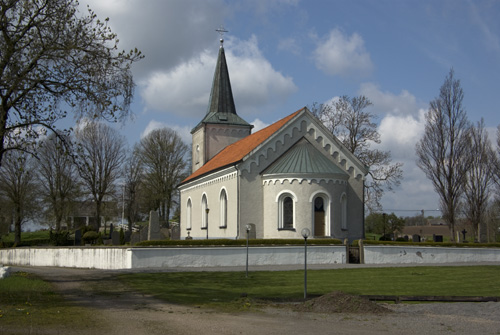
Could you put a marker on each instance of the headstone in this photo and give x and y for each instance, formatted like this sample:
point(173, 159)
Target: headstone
point(128, 235)
point(115, 238)
point(143, 233)
point(416, 238)
point(154, 226)
point(111, 231)
point(78, 237)
point(135, 238)
point(438, 238)
point(176, 233)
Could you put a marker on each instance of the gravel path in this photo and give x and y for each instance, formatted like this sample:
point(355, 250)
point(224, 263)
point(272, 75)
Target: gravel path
point(126, 312)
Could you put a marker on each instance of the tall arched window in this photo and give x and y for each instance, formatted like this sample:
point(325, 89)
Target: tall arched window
point(343, 210)
point(204, 206)
point(286, 212)
point(189, 215)
point(223, 209)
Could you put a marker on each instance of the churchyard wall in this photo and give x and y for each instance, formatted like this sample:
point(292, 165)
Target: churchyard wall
point(112, 258)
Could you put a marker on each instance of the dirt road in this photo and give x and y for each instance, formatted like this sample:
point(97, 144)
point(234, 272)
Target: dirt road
point(123, 311)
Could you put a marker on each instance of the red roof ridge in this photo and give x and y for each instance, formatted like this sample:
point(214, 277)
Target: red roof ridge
point(235, 152)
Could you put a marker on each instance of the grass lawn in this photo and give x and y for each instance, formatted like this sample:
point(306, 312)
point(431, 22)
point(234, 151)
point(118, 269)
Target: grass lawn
point(28, 303)
point(218, 288)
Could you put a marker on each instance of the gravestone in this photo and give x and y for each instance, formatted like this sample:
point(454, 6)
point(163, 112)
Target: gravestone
point(111, 231)
point(135, 238)
point(416, 238)
point(154, 226)
point(115, 238)
point(143, 233)
point(78, 237)
point(128, 235)
point(176, 233)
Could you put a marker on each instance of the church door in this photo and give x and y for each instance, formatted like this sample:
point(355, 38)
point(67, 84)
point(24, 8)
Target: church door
point(319, 217)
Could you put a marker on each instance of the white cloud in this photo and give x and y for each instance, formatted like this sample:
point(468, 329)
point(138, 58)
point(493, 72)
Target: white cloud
point(258, 125)
point(386, 102)
point(338, 54)
point(183, 131)
point(185, 89)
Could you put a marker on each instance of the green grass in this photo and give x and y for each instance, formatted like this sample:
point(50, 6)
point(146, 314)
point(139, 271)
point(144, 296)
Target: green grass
point(222, 288)
point(27, 303)
point(28, 236)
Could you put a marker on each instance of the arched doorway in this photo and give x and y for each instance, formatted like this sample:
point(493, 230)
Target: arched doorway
point(319, 217)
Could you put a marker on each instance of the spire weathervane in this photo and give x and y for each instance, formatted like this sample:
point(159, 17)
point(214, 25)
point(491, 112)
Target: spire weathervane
point(221, 32)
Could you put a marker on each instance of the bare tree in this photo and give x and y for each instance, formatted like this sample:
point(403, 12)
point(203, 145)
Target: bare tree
point(58, 178)
point(163, 155)
point(53, 60)
point(132, 178)
point(18, 188)
point(349, 121)
point(479, 180)
point(101, 153)
point(443, 151)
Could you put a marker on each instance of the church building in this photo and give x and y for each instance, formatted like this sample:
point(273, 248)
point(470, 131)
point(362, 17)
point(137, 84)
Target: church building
point(294, 174)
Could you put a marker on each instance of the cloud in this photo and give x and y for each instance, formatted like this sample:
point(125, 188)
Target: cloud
point(342, 55)
point(258, 125)
point(185, 89)
point(167, 32)
point(183, 131)
point(386, 102)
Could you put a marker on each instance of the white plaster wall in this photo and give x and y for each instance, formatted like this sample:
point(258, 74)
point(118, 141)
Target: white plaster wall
point(128, 258)
point(235, 256)
point(76, 257)
point(415, 254)
point(211, 186)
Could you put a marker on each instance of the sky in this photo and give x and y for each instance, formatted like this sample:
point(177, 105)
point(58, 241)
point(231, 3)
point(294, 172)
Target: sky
point(283, 55)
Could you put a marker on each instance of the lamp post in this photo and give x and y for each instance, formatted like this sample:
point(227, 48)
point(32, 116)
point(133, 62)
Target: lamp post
point(207, 210)
point(248, 228)
point(305, 234)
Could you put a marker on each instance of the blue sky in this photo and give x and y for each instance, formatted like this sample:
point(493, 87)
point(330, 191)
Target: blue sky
point(286, 54)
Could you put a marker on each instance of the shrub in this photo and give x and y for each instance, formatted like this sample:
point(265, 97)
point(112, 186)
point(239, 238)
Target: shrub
point(227, 242)
point(90, 237)
point(59, 238)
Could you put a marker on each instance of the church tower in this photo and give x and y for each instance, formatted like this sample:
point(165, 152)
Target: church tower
point(221, 126)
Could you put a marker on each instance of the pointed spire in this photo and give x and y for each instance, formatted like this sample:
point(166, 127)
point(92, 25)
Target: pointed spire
point(221, 107)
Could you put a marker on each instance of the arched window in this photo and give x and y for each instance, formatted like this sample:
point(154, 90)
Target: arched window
point(189, 215)
point(319, 216)
point(204, 214)
point(343, 211)
point(223, 209)
point(286, 212)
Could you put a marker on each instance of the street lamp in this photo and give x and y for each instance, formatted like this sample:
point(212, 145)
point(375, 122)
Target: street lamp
point(207, 210)
point(248, 228)
point(305, 234)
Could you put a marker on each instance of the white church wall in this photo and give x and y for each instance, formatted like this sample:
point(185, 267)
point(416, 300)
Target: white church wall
point(211, 187)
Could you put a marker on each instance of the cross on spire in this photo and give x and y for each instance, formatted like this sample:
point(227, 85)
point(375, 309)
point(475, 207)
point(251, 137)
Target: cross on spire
point(221, 32)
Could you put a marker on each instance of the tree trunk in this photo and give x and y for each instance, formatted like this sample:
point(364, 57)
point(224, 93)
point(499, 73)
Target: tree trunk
point(17, 229)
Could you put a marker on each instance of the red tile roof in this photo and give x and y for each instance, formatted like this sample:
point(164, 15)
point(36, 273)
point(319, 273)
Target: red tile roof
point(235, 152)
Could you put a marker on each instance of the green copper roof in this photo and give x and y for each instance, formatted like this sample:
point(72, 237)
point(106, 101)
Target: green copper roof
point(221, 108)
point(304, 158)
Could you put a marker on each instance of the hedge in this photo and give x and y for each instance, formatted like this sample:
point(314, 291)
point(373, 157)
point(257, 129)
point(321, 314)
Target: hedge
point(431, 244)
point(228, 242)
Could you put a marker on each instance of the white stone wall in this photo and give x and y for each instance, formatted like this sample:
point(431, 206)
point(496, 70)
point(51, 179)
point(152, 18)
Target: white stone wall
point(235, 256)
point(384, 254)
point(76, 257)
point(131, 258)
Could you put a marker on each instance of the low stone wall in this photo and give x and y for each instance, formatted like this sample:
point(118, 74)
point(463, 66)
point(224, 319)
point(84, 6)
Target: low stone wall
point(113, 258)
point(385, 254)
point(73, 257)
point(130, 258)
